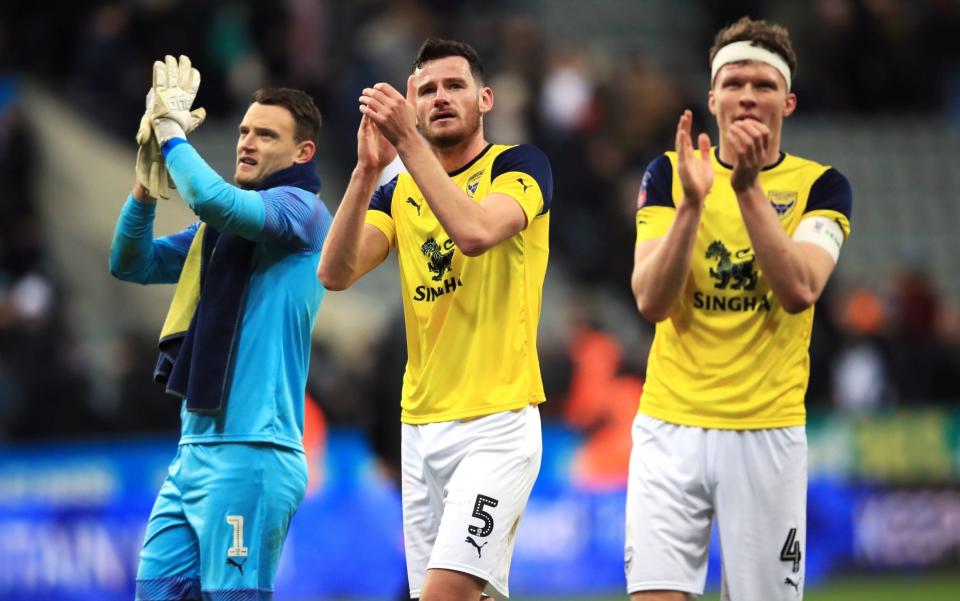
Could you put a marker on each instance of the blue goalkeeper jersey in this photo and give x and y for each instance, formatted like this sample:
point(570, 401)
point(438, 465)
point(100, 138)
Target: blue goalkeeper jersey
point(268, 370)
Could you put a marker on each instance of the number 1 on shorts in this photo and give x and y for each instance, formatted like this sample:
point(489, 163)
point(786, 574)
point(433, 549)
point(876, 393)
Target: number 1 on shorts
point(237, 550)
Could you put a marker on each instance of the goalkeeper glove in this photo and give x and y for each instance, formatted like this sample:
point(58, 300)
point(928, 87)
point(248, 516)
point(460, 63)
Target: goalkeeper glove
point(175, 85)
point(151, 169)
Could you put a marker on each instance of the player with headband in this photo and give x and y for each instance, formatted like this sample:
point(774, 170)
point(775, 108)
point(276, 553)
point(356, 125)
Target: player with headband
point(735, 244)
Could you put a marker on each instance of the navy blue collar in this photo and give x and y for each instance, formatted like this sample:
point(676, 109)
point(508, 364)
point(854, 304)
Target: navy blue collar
point(779, 160)
point(298, 175)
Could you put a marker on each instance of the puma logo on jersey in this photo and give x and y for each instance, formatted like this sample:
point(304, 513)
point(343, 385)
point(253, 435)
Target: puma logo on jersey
point(795, 585)
point(236, 564)
point(525, 186)
point(474, 543)
point(416, 205)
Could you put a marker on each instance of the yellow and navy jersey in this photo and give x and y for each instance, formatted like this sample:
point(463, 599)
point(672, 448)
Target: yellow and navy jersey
point(471, 322)
point(729, 356)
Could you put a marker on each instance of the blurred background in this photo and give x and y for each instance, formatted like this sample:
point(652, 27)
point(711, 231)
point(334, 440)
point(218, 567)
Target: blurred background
point(85, 435)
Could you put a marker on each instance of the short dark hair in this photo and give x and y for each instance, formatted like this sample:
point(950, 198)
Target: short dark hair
point(436, 48)
point(306, 115)
point(772, 37)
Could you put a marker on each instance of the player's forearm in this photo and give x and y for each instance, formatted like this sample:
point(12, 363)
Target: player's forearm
point(784, 267)
point(131, 251)
point(658, 278)
point(339, 261)
point(214, 201)
point(463, 219)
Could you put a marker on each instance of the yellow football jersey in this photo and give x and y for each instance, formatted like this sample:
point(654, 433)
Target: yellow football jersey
point(730, 356)
point(471, 322)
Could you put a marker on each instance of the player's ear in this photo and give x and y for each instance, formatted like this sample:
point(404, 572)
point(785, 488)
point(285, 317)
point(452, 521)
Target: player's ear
point(486, 99)
point(790, 105)
point(712, 103)
point(305, 151)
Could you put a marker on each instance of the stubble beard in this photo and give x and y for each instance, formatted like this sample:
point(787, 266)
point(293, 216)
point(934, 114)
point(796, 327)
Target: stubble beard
point(244, 185)
point(240, 184)
point(453, 138)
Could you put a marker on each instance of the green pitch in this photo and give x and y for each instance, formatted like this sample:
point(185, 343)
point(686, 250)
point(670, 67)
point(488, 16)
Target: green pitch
point(920, 587)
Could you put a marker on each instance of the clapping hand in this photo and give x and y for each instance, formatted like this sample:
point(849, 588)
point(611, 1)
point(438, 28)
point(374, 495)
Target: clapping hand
point(150, 168)
point(750, 142)
point(695, 172)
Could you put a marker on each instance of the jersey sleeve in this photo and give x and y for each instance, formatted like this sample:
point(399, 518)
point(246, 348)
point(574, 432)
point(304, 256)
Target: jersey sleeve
point(655, 206)
point(524, 174)
point(294, 219)
point(379, 213)
point(223, 206)
point(831, 196)
point(135, 256)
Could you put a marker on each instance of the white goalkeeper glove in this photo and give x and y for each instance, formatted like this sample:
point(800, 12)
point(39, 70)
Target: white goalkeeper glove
point(151, 169)
point(175, 85)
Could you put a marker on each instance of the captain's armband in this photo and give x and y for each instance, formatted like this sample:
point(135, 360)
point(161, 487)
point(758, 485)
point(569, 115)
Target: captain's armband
point(822, 231)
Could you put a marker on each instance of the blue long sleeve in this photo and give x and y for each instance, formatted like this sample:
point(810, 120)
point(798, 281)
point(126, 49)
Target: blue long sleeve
point(136, 257)
point(223, 206)
point(283, 215)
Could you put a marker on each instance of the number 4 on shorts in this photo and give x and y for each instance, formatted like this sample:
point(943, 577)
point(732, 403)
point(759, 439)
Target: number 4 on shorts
point(791, 550)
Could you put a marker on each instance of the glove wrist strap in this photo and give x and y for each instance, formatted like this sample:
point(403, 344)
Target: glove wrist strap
point(167, 129)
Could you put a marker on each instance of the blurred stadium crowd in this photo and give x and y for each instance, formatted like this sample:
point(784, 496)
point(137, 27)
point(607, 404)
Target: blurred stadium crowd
point(601, 107)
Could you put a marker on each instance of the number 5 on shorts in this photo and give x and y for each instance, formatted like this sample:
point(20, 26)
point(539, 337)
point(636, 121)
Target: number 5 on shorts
point(478, 512)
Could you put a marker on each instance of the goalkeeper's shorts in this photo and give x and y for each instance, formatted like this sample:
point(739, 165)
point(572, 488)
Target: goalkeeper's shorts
point(219, 522)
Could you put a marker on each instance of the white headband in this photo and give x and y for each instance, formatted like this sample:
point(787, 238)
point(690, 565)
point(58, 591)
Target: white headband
point(746, 51)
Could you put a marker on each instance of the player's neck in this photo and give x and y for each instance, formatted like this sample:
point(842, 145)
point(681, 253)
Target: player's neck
point(454, 157)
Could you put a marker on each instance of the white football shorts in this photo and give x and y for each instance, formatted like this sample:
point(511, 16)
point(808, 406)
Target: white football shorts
point(465, 485)
point(753, 482)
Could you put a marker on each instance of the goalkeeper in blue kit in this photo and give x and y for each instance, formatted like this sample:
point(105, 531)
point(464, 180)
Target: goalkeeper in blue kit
point(236, 342)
